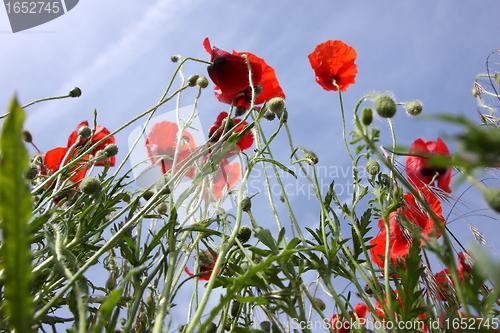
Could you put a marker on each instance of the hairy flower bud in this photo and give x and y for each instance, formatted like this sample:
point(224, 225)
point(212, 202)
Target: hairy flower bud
point(269, 115)
point(202, 82)
point(205, 258)
point(276, 105)
point(265, 326)
point(474, 92)
point(111, 150)
point(175, 57)
point(161, 185)
point(211, 328)
point(367, 116)
point(319, 302)
point(492, 197)
point(192, 80)
point(31, 172)
point(414, 108)
point(372, 167)
point(90, 185)
point(244, 234)
point(283, 115)
point(84, 132)
point(258, 90)
point(384, 105)
point(246, 204)
point(148, 194)
point(75, 92)
point(161, 208)
point(27, 137)
point(311, 157)
point(111, 283)
point(239, 111)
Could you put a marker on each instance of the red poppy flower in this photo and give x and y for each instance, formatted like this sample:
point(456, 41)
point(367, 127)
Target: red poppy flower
point(419, 171)
point(269, 86)
point(340, 325)
point(333, 61)
point(400, 239)
point(230, 72)
point(99, 134)
point(52, 161)
point(162, 141)
point(206, 264)
point(444, 278)
point(225, 178)
point(217, 129)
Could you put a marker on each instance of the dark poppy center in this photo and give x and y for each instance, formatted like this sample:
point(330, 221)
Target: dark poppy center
point(427, 172)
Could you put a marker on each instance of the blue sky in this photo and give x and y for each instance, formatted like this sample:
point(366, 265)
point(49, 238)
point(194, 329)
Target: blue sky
point(118, 52)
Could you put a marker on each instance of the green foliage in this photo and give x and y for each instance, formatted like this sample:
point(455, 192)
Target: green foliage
point(15, 213)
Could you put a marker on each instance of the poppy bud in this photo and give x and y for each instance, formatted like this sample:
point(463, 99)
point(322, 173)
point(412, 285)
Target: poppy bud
point(246, 204)
point(311, 157)
point(282, 115)
point(161, 185)
point(492, 197)
point(161, 208)
point(75, 92)
point(101, 156)
point(497, 78)
point(257, 258)
point(175, 57)
point(111, 150)
point(258, 90)
point(319, 302)
point(202, 82)
point(205, 258)
point(414, 108)
point(90, 185)
point(148, 194)
point(474, 92)
point(111, 283)
point(244, 234)
point(384, 105)
point(192, 80)
point(126, 197)
point(84, 132)
point(27, 137)
point(211, 328)
point(276, 105)
point(367, 116)
point(31, 172)
point(372, 167)
point(269, 115)
point(235, 308)
point(265, 326)
point(240, 110)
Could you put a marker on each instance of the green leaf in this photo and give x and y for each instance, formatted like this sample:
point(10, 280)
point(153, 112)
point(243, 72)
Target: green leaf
point(15, 212)
point(106, 309)
point(264, 235)
point(278, 164)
